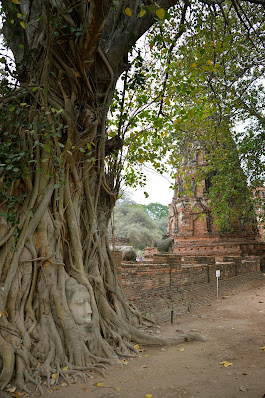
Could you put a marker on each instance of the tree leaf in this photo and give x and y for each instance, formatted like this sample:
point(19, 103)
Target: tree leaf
point(16, 1)
point(160, 13)
point(47, 148)
point(128, 12)
point(22, 23)
point(142, 13)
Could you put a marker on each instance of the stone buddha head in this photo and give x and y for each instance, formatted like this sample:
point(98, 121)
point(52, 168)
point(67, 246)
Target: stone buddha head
point(79, 302)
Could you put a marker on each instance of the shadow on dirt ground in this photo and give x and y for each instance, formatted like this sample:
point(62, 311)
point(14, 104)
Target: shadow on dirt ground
point(231, 364)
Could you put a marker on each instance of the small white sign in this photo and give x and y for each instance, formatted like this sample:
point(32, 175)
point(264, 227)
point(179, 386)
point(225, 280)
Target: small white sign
point(218, 273)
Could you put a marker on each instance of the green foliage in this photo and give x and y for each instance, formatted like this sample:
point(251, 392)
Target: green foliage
point(14, 158)
point(133, 222)
point(156, 210)
point(197, 71)
point(195, 84)
point(230, 196)
point(162, 225)
point(29, 142)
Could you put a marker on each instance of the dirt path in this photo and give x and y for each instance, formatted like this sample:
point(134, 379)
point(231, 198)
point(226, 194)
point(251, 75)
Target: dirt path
point(235, 330)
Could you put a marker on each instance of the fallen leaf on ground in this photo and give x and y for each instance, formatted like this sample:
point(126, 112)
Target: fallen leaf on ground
point(100, 384)
point(226, 363)
point(148, 355)
point(65, 368)
point(242, 388)
point(124, 362)
point(64, 384)
point(11, 389)
point(262, 348)
point(136, 346)
point(181, 349)
point(143, 366)
point(149, 395)
point(117, 388)
point(55, 376)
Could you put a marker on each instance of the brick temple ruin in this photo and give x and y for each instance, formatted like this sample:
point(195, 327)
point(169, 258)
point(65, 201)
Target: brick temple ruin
point(199, 248)
point(191, 224)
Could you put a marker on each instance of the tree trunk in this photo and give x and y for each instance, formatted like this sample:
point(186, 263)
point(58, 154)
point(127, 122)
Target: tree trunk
point(61, 307)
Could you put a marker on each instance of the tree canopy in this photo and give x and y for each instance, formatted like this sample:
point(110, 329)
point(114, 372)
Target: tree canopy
point(141, 224)
point(65, 135)
point(197, 85)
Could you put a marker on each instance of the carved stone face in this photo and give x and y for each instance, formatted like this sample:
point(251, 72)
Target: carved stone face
point(79, 302)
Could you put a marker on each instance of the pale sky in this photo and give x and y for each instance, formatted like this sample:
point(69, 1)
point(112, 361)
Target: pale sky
point(157, 186)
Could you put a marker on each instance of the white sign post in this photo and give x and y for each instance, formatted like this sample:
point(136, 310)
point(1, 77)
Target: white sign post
point(217, 278)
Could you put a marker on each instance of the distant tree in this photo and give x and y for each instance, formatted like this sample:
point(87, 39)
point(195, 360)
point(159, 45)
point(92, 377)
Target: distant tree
point(156, 210)
point(162, 224)
point(133, 222)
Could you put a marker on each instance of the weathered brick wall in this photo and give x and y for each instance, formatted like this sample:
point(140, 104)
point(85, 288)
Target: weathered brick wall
point(117, 258)
point(170, 273)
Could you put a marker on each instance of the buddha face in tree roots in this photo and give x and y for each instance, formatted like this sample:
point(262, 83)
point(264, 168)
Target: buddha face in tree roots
point(78, 299)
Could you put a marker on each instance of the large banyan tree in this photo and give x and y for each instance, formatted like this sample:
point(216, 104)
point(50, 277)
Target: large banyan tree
point(61, 307)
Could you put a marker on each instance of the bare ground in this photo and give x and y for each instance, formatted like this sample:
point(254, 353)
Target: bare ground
point(235, 330)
